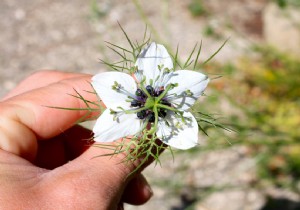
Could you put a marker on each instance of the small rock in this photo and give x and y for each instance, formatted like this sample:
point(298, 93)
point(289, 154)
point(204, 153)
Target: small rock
point(8, 85)
point(20, 14)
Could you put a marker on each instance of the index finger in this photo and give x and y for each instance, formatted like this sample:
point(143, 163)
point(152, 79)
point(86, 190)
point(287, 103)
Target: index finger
point(39, 79)
point(26, 117)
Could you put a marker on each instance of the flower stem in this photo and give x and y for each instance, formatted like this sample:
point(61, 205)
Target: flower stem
point(154, 127)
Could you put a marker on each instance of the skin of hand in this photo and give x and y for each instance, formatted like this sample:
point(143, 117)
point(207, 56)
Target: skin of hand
point(45, 161)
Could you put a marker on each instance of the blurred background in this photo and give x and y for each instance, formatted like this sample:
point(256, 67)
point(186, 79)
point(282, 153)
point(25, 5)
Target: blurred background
point(257, 167)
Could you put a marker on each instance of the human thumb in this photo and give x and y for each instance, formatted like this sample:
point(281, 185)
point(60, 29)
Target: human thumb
point(108, 177)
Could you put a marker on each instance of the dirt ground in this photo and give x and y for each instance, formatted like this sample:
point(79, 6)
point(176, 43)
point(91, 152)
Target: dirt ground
point(70, 37)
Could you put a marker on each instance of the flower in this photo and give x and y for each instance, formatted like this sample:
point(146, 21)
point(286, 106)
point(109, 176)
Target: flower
point(155, 94)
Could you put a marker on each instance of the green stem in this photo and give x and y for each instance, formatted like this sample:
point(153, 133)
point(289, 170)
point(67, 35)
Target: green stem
point(145, 91)
point(154, 127)
point(168, 108)
point(163, 93)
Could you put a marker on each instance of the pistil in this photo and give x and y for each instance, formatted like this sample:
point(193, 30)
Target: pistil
point(148, 101)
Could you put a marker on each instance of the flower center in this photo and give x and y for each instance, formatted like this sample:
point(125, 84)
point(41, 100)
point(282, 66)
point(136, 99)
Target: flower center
point(149, 101)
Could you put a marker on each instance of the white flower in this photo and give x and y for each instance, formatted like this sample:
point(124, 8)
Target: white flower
point(155, 94)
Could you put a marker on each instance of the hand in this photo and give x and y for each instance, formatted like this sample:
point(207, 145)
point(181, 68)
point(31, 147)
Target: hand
point(45, 162)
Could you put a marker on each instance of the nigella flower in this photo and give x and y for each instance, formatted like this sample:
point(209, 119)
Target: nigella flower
point(155, 95)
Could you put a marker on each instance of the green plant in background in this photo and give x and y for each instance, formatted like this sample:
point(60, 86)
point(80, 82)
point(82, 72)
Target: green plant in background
point(276, 77)
point(281, 3)
point(264, 99)
point(197, 8)
point(212, 32)
point(284, 3)
point(209, 31)
point(96, 11)
point(267, 90)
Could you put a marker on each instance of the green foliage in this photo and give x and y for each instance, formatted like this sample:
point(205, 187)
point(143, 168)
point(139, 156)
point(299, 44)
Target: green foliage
point(270, 92)
point(277, 74)
point(197, 8)
point(262, 99)
point(281, 3)
point(284, 3)
point(96, 12)
point(275, 78)
point(209, 31)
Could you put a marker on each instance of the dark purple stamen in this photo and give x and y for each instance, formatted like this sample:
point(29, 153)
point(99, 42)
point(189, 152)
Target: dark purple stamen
point(135, 103)
point(165, 102)
point(162, 113)
point(141, 115)
point(141, 99)
point(150, 90)
point(140, 93)
point(151, 117)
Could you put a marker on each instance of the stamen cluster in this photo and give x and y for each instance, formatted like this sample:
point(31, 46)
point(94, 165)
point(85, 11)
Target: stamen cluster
point(141, 99)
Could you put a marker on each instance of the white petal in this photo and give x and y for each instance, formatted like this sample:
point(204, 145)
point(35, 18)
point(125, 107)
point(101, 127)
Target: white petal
point(184, 137)
point(187, 80)
point(107, 129)
point(149, 60)
point(113, 99)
